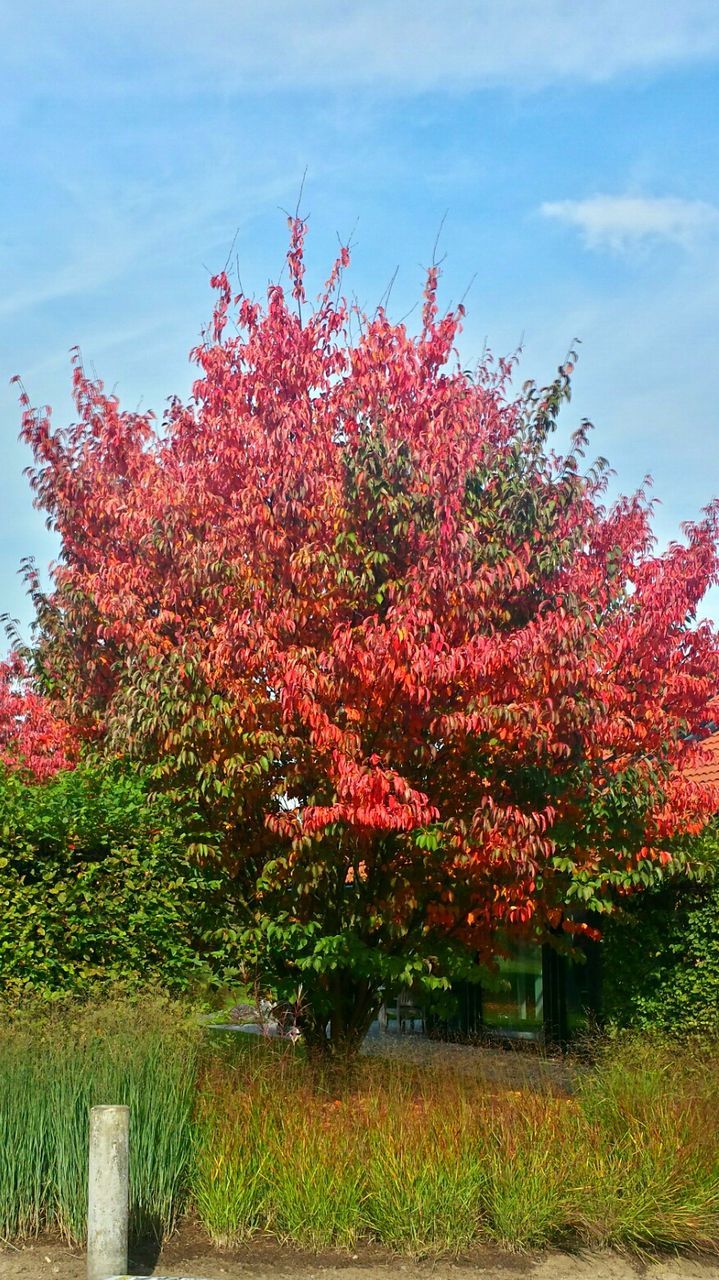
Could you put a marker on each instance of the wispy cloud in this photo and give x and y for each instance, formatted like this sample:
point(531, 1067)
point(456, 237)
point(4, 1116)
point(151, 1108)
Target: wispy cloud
point(384, 45)
point(108, 233)
point(626, 222)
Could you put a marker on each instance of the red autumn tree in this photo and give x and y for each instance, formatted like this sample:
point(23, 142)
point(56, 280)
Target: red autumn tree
point(408, 676)
point(33, 741)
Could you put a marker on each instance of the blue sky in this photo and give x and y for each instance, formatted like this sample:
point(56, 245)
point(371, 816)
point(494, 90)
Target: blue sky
point(574, 149)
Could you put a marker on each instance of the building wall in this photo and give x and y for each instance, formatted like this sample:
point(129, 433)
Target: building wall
point(539, 995)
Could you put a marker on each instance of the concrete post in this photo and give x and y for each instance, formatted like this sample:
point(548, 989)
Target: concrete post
point(108, 1194)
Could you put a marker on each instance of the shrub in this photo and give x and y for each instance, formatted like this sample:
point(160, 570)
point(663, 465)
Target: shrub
point(95, 886)
point(661, 960)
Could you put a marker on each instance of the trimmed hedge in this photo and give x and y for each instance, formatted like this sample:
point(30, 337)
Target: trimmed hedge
point(95, 887)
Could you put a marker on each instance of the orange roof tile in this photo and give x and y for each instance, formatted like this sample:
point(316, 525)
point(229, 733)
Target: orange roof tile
point(707, 772)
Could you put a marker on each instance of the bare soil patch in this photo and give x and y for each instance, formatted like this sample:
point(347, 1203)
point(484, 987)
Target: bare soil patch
point(188, 1254)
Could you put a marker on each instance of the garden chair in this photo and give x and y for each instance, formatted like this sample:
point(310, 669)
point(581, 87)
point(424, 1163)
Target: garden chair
point(409, 1010)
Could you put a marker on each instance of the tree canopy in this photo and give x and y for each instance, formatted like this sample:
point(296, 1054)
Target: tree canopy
point(410, 675)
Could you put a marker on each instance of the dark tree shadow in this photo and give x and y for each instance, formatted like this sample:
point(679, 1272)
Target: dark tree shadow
point(145, 1246)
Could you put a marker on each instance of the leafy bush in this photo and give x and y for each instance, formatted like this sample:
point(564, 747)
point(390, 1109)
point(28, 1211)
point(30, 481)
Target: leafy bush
point(95, 886)
point(661, 960)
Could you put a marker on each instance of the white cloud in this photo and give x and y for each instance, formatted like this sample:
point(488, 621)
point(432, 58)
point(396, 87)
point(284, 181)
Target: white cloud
point(402, 46)
point(626, 222)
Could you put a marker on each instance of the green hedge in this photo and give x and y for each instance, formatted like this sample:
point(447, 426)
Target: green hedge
point(95, 887)
point(660, 960)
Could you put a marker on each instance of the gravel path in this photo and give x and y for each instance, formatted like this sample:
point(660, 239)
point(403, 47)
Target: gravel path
point(509, 1068)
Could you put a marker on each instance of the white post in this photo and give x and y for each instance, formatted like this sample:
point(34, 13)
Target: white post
point(108, 1194)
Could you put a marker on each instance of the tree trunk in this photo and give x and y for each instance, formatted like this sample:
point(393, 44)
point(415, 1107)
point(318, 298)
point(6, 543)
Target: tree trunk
point(336, 1037)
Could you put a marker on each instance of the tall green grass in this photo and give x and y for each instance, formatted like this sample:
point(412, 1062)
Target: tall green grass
point(425, 1179)
point(654, 1166)
point(248, 1140)
point(426, 1161)
point(54, 1066)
